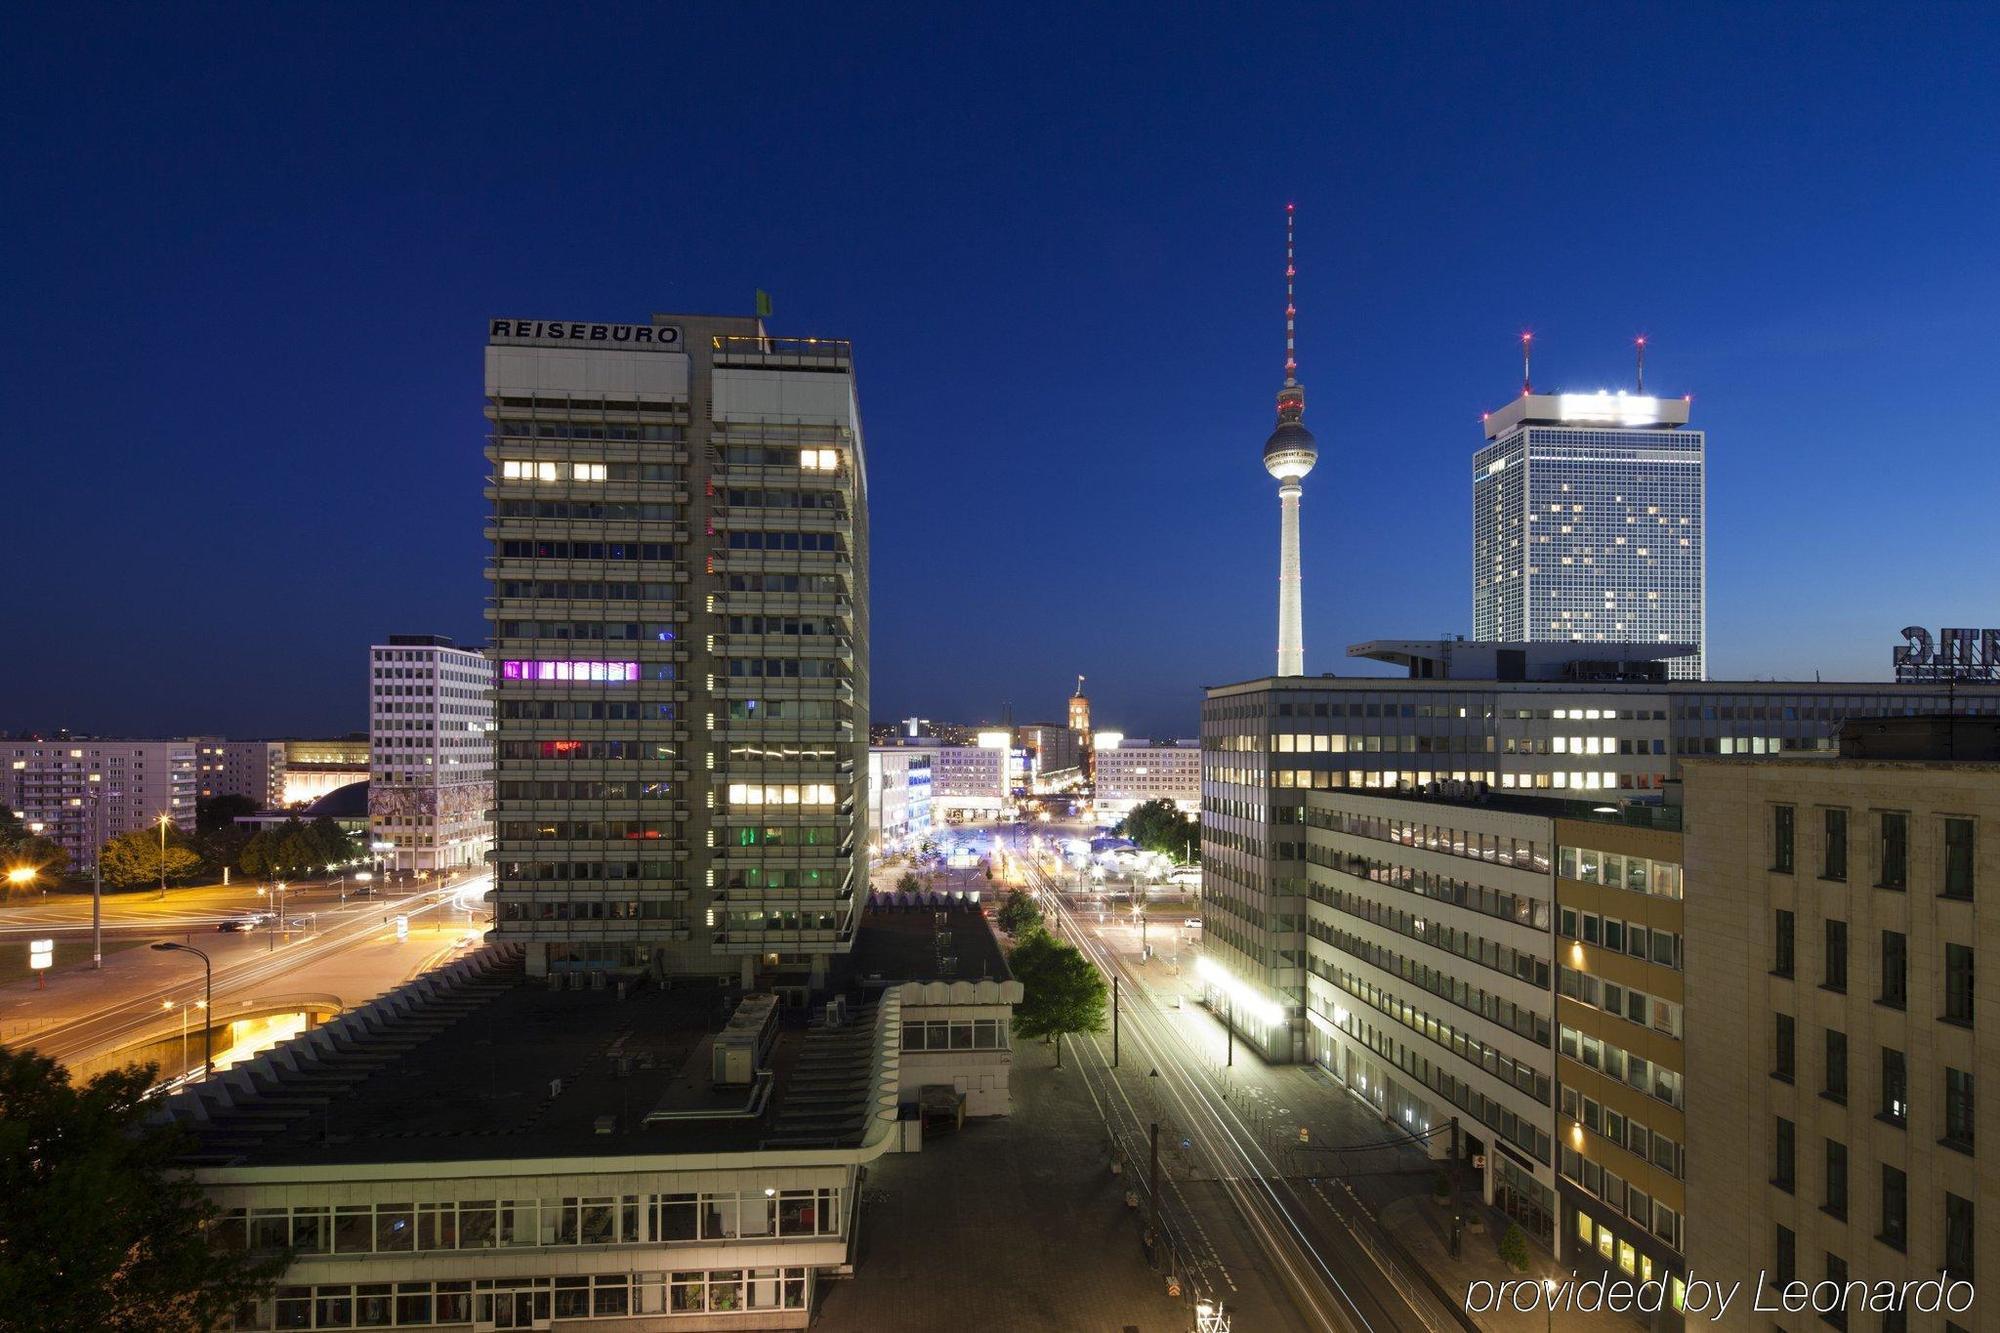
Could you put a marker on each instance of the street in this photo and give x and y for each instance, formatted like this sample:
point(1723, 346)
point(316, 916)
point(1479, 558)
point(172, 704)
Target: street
point(1234, 1130)
point(339, 949)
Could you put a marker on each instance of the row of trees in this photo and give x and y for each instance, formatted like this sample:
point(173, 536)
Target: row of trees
point(218, 843)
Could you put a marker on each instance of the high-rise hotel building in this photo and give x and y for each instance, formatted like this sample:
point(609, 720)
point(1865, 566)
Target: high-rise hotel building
point(679, 603)
point(1588, 523)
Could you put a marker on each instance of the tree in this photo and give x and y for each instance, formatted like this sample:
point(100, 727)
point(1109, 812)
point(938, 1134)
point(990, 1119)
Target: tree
point(20, 848)
point(1018, 913)
point(908, 882)
point(330, 842)
point(99, 1229)
point(1062, 993)
point(254, 859)
point(1159, 826)
point(1514, 1247)
point(134, 858)
point(215, 813)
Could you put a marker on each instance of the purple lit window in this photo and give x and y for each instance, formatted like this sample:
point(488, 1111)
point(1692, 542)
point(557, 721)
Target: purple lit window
point(610, 673)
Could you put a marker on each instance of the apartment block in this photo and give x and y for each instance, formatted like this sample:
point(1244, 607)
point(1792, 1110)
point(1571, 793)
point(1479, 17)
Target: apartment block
point(83, 793)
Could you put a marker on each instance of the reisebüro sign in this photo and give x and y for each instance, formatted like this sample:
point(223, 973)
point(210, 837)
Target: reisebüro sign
point(568, 333)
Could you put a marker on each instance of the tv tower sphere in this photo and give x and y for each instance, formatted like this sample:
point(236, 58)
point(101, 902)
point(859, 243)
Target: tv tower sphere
point(1291, 451)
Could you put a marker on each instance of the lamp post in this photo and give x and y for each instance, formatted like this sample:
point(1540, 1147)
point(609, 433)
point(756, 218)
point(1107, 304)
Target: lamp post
point(163, 856)
point(208, 1001)
point(96, 871)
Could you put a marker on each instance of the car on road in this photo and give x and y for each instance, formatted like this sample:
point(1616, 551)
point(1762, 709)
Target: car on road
point(1192, 923)
point(236, 925)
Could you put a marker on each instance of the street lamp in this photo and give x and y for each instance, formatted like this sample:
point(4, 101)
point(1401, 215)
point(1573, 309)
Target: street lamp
point(20, 877)
point(1549, 1303)
point(163, 855)
point(207, 1004)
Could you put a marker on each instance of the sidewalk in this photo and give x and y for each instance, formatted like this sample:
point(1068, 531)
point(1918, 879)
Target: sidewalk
point(1012, 1223)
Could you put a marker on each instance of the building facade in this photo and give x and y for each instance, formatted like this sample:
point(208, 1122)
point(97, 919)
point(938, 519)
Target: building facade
point(316, 768)
point(430, 741)
point(899, 796)
point(81, 794)
point(1589, 521)
point(1055, 755)
point(1137, 771)
point(1266, 743)
point(254, 770)
point(1621, 1038)
point(1429, 975)
point(1833, 928)
point(680, 624)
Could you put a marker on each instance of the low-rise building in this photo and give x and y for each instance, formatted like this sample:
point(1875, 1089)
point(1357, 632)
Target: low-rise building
point(457, 1153)
point(1133, 772)
point(82, 793)
point(940, 958)
point(314, 768)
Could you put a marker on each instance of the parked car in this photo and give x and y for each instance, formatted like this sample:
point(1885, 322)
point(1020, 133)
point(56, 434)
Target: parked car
point(1192, 923)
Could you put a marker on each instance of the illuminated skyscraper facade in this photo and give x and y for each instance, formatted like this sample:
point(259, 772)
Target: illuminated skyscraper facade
point(1588, 524)
point(680, 640)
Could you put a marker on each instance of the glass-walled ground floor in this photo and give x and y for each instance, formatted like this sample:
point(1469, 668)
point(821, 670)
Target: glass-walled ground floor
point(749, 1298)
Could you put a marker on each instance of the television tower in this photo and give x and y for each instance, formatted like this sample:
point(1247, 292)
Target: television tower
point(1288, 455)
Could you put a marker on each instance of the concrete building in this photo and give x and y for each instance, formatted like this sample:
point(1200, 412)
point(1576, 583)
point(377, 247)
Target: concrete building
point(1833, 929)
point(945, 966)
point(316, 768)
point(83, 793)
point(1589, 524)
point(974, 781)
point(899, 796)
point(251, 769)
point(430, 741)
point(1592, 720)
point(680, 621)
point(1428, 968)
point(1055, 755)
point(1134, 771)
point(473, 1165)
point(1622, 1130)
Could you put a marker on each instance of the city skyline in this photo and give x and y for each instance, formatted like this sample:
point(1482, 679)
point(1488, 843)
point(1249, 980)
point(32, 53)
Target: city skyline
point(316, 463)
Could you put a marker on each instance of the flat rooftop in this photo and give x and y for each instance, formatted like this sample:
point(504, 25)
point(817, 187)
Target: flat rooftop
point(926, 942)
point(471, 1072)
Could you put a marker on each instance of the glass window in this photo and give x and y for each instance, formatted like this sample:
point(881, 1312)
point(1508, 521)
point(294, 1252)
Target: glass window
point(353, 1228)
point(1895, 1086)
point(476, 1225)
point(1958, 858)
point(1958, 1236)
point(1836, 955)
point(1895, 850)
point(374, 1307)
point(395, 1226)
point(1958, 1107)
point(1834, 851)
point(312, 1230)
point(1836, 1178)
point(1783, 1046)
point(1895, 1207)
point(1781, 839)
point(675, 1217)
point(1783, 945)
point(1785, 1154)
point(1836, 1065)
point(1895, 969)
point(687, 1293)
point(1958, 983)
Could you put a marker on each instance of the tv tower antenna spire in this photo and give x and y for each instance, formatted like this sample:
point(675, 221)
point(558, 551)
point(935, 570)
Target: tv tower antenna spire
point(1289, 454)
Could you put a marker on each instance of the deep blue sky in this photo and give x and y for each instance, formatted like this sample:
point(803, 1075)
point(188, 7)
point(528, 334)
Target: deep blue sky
point(248, 254)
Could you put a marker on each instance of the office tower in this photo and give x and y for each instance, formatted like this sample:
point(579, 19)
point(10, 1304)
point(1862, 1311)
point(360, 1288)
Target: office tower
point(1547, 720)
point(430, 753)
point(1288, 455)
point(899, 796)
point(83, 793)
point(680, 616)
point(1588, 524)
point(1833, 935)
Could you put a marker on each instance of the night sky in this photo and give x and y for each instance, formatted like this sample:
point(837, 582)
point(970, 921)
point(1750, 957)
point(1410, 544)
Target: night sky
point(248, 255)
